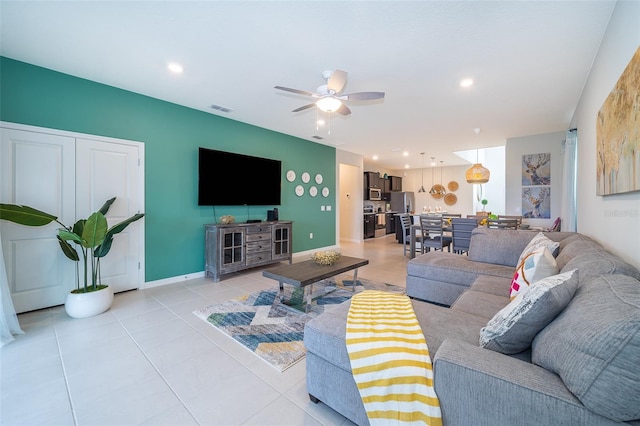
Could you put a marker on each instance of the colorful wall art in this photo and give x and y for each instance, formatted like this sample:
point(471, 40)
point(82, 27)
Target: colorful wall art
point(618, 135)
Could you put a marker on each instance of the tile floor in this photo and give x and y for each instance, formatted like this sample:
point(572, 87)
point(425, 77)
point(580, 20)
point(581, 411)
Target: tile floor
point(150, 361)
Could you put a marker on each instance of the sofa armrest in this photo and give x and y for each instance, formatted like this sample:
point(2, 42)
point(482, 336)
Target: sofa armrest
point(483, 387)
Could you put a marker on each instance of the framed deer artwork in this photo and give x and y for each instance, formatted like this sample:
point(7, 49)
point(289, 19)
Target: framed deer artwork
point(618, 135)
point(536, 186)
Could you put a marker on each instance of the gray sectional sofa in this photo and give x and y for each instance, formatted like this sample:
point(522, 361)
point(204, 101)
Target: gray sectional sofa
point(583, 368)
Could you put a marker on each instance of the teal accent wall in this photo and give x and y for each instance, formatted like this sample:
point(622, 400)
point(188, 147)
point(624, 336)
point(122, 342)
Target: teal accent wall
point(172, 134)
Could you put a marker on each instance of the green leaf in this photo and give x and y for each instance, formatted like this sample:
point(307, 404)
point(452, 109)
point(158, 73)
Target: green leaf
point(78, 227)
point(105, 207)
point(25, 215)
point(95, 228)
point(65, 235)
point(68, 251)
point(103, 249)
point(115, 229)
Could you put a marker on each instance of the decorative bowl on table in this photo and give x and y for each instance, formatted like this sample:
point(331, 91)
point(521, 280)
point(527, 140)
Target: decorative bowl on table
point(325, 257)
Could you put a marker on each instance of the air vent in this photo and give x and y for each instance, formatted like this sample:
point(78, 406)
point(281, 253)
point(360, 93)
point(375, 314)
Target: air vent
point(221, 108)
point(317, 137)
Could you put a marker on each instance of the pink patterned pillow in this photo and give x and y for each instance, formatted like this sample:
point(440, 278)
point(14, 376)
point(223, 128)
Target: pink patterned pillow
point(535, 266)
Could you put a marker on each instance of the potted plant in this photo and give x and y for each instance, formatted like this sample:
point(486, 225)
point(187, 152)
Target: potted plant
point(93, 238)
point(484, 203)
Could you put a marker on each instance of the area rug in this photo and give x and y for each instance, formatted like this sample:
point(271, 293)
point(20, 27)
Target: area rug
point(274, 330)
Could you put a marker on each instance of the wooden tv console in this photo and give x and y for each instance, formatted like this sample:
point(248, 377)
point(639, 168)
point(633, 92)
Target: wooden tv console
point(237, 246)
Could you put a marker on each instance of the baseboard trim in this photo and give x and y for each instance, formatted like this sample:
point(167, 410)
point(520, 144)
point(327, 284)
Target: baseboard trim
point(173, 280)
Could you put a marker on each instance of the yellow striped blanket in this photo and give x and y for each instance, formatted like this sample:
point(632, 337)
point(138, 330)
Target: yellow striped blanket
point(390, 360)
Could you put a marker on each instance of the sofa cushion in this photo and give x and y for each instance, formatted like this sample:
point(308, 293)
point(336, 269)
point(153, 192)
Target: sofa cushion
point(515, 326)
point(498, 246)
point(325, 334)
point(540, 240)
point(493, 285)
point(481, 304)
point(574, 248)
point(535, 266)
point(596, 262)
point(594, 346)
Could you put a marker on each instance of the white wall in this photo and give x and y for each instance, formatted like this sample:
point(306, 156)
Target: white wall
point(612, 220)
point(535, 144)
point(349, 200)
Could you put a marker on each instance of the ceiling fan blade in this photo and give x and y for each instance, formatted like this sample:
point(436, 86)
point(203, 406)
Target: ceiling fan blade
point(337, 81)
point(364, 96)
point(299, 92)
point(302, 108)
point(344, 110)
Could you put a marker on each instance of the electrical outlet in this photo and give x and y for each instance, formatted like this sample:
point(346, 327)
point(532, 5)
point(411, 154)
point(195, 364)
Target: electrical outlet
point(311, 235)
point(328, 208)
point(321, 208)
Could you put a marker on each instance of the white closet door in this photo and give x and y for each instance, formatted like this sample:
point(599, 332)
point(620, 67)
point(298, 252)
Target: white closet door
point(106, 170)
point(37, 170)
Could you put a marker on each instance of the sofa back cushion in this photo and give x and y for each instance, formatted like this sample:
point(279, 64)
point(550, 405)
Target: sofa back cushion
point(575, 247)
point(594, 346)
point(498, 246)
point(593, 262)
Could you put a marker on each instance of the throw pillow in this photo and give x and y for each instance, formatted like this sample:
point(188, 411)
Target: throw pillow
point(539, 264)
point(540, 240)
point(514, 327)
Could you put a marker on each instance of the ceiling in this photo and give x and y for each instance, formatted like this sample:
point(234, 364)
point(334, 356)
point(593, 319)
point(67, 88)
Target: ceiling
point(529, 61)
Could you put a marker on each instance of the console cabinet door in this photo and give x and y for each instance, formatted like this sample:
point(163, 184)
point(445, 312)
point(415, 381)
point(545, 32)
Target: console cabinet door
point(231, 249)
point(281, 241)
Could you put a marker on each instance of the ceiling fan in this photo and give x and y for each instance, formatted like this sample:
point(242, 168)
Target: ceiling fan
point(329, 96)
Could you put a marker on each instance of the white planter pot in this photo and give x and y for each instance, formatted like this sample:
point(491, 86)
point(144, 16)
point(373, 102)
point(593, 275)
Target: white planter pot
point(84, 305)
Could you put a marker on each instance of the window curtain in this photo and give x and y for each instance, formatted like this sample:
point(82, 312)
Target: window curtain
point(569, 178)
point(9, 324)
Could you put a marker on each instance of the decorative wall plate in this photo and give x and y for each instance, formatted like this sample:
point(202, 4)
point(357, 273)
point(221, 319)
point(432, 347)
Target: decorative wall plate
point(313, 191)
point(438, 188)
point(325, 192)
point(319, 179)
point(299, 190)
point(450, 199)
point(306, 177)
point(291, 175)
point(453, 185)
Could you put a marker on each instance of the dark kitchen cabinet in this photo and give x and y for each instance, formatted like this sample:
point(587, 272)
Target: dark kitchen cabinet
point(369, 225)
point(395, 183)
point(372, 180)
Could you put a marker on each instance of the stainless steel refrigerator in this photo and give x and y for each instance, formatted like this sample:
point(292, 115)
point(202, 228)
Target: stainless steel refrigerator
point(402, 202)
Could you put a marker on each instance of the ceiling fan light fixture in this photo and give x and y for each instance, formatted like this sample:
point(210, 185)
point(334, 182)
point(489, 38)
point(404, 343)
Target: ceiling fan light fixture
point(328, 104)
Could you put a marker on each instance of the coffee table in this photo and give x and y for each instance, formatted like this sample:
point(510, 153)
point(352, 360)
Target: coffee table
point(304, 274)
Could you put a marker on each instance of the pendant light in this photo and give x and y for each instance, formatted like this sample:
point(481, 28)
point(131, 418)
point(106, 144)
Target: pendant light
point(441, 189)
point(433, 190)
point(422, 186)
point(477, 173)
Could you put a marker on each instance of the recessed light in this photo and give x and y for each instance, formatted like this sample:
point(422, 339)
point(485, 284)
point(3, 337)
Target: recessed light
point(375, 157)
point(467, 82)
point(175, 67)
point(320, 122)
point(406, 154)
point(406, 166)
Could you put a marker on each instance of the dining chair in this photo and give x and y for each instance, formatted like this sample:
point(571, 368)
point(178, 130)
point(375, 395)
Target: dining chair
point(433, 234)
point(517, 218)
point(461, 230)
point(502, 223)
point(406, 221)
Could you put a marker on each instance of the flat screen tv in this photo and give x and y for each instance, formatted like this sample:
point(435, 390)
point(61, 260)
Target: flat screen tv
point(229, 179)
